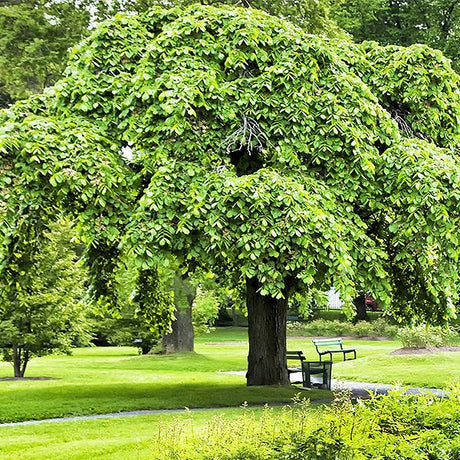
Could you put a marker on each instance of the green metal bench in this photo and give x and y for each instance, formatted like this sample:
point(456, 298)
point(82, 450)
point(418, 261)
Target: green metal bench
point(298, 356)
point(313, 369)
point(336, 342)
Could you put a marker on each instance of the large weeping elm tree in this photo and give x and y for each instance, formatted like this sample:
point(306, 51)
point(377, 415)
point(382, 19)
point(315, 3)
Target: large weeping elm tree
point(230, 139)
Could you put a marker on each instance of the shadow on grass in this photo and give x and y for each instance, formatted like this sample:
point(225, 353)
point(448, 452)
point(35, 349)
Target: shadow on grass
point(177, 362)
point(72, 400)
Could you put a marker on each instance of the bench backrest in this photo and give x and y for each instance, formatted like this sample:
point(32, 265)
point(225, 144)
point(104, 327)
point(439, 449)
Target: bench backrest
point(295, 355)
point(337, 342)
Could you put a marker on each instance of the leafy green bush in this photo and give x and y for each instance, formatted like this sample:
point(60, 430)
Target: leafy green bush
point(340, 315)
point(205, 311)
point(396, 426)
point(329, 315)
point(424, 336)
point(321, 327)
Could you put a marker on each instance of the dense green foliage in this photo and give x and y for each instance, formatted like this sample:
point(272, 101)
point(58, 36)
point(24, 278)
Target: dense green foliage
point(132, 311)
point(205, 310)
point(291, 159)
point(433, 22)
point(336, 328)
point(34, 41)
point(45, 312)
point(36, 35)
point(182, 115)
point(397, 426)
point(427, 337)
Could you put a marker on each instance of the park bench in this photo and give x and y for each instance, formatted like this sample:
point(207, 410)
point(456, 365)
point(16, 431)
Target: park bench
point(298, 356)
point(320, 344)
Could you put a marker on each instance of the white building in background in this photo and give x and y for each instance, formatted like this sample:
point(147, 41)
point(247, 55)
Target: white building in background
point(333, 299)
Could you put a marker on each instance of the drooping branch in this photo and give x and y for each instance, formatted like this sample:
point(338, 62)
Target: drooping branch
point(248, 136)
point(400, 118)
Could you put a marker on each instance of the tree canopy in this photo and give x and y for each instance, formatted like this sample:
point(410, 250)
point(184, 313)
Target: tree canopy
point(293, 161)
point(36, 35)
point(433, 22)
point(45, 312)
point(34, 42)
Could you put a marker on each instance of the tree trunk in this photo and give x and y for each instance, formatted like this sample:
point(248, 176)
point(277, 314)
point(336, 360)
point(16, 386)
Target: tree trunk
point(234, 315)
point(267, 337)
point(18, 365)
point(361, 311)
point(181, 338)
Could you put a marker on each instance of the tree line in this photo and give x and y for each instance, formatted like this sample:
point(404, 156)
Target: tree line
point(36, 35)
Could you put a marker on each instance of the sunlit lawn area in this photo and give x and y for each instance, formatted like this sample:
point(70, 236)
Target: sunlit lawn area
point(374, 363)
point(102, 380)
point(119, 438)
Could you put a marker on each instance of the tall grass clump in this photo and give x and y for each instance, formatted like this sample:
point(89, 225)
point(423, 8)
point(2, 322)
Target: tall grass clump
point(395, 426)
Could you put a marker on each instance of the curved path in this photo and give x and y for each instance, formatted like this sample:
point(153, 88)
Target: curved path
point(358, 390)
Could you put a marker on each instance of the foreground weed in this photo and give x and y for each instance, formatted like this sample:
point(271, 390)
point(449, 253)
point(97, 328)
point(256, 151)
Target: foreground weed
point(397, 426)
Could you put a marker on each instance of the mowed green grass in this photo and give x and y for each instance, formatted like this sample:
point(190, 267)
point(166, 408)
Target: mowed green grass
point(116, 438)
point(376, 364)
point(104, 380)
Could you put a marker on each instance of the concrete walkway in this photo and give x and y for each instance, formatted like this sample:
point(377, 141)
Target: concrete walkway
point(133, 413)
point(358, 390)
point(361, 389)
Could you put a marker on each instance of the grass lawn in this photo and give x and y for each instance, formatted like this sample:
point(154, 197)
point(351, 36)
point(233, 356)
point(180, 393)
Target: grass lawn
point(374, 363)
point(118, 438)
point(102, 380)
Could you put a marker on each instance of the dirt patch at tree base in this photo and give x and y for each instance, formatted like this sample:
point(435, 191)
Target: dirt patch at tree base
point(25, 378)
point(421, 351)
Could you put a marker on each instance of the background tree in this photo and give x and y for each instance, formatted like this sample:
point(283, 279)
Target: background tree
point(259, 150)
point(432, 22)
point(34, 42)
point(310, 15)
point(46, 314)
point(127, 322)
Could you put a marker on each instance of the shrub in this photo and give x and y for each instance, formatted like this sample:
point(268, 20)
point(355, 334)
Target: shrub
point(329, 315)
point(424, 336)
point(396, 426)
point(321, 327)
point(340, 315)
point(205, 311)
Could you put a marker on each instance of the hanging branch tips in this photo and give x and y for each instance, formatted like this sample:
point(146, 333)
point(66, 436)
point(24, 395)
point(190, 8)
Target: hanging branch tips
point(249, 135)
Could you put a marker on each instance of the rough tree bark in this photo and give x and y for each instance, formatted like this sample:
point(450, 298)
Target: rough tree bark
point(181, 337)
point(267, 337)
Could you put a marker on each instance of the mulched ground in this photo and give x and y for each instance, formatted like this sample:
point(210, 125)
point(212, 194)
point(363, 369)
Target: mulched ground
point(421, 351)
